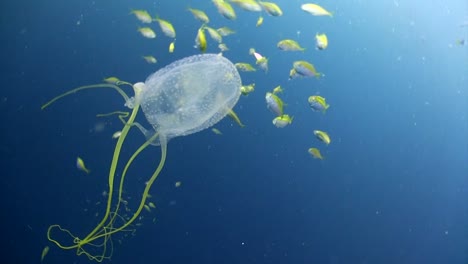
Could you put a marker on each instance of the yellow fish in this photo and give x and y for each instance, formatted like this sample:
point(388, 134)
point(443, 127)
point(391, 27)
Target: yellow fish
point(277, 89)
point(225, 9)
point(305, 69)
point(151, 204)
point(234, 116)
point(44, 253)
point(246, 67)
point(274, 103)
point(216, 131)
point(318, 103)
point(147, 32)
point(263, 63)
point(293, 74)
point(166, 27)
point(248, 5)
point(289, 45)
point(112, 80)
point(116, 134)
point(315, 153)
point(199, 15)
point(315, 10)
point(177, 184)
point(147, 208)
point(321, 41)
point(225, 31)
point(143, 16)
point(172, 47)
point(150, 59)
point(214, 34)
point(322, 136)
point(81, 166)
point(246, 89)
point(200, 40)
point(282, 121)
point(223, 47)
point(271, 8)
point(259, 21)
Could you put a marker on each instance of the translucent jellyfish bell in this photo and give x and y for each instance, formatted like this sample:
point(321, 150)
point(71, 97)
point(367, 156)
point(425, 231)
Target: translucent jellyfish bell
point(190, 95)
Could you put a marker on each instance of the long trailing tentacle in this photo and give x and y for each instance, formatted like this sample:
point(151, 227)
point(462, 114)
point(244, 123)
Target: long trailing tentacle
point(122, 178)
point(104, 85)
point(121, 114)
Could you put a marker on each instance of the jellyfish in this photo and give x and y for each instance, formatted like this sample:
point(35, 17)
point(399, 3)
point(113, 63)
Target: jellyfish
point(183, 98)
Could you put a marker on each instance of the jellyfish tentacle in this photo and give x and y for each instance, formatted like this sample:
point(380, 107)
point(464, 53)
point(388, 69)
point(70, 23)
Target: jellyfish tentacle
point(144, 196)
point(121, 114)
point(79, 243)
point(104, 85)
point(124, 173)
point(112, 170)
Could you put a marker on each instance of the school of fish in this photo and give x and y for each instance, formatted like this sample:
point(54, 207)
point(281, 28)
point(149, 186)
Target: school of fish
point(227, 9)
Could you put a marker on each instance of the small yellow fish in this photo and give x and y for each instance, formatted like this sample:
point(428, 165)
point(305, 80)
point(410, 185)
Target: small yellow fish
point(274, 103)
point(112, 80)
point(246, 67)
point(177, 184)
point(147, 208)
point(172, 47)
point(225, 31)
point(151, 204)
point(147, 32)
point(116, 134)
point(277, 89)
point(150, 59)
point(200, 40)
point(143, 16)
point(223, 47)
point(214, 34)
point(321, 41)
point(315, 10)
point(44, 253)
point(282, 121)
point(262, 63)
point(304, 69)
point(292, 74)
point(247, 89)
point(248, 5)
point(289, 45)
point(216, 131)
point(271, 8)
point(315, 153)
point(234, 116)
point(318, 103)
point(259, 21)
point(199, 15)
point(81, 166)
point(166, 27)
point(322, 136)
point(225, 9)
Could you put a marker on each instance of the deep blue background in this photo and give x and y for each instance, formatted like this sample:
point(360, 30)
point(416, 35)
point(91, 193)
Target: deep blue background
point(392, 187)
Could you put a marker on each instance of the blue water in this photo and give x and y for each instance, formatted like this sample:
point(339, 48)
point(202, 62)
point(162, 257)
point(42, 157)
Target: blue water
point(391, 189)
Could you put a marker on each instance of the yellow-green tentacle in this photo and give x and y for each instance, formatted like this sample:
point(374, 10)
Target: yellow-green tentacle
point(121, 115)
point(104, 85)
point(122, 178)
point(144, 196)
point(113, 168)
